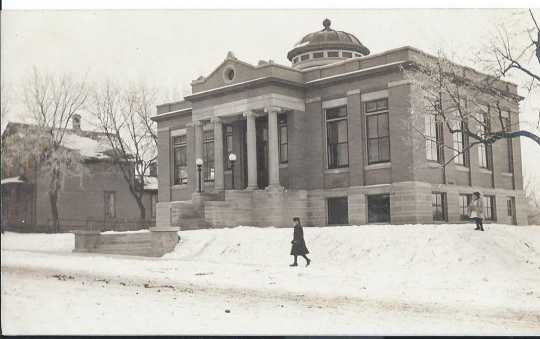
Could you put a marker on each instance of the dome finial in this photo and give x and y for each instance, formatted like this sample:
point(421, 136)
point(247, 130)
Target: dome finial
point(326, 23)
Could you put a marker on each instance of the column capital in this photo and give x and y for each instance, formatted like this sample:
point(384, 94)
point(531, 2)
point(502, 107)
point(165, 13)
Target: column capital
point(273, 109)
point(216, 120)
point(249, 114)
point(197, 123)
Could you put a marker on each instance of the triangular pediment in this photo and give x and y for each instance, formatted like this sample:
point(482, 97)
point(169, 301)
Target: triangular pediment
point(231, 71)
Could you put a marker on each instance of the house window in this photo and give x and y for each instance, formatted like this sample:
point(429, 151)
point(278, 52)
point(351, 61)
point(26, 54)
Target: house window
point(434, 138)
point(464, 201)
point(378, 208)
point(509, 156)
point(153, 203)
point(338, 211)
point(510, 206)
point(438, 206)
point(110, 204)
point(461, 156)
point(333, 54)
point(283, 139)
point(346, 54)
point(208, 155)
point(489, 207)
point(180, 160)
point(228, 145)
point(318, 55)
point(484, 150)
point(378, 140)
point(304, 57)
point(295, 60)
point(337, 137)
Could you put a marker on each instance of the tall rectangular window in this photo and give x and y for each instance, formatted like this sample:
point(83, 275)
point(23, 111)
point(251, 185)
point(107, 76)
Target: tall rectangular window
point(510, 206)
point(461, 156)
point(484, 150)
point(337, 137)
point(110, 204)
point(378, 136)
point(434, 138)
point(489, 207)
point(153, 203)
point(228, 145)
point(464, 201)
point(438, 206)
point(283, 139)
point(180, 159)
point(208, 155)
point(508, 159)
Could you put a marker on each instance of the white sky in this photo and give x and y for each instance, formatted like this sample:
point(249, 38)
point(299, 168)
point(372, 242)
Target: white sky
point(170, 48)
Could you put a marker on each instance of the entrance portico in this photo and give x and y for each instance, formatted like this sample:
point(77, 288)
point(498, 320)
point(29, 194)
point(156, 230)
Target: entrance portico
point(261, 143)
point(260, 138)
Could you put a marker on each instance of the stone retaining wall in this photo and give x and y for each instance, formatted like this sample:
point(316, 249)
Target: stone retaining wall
point(154, 243)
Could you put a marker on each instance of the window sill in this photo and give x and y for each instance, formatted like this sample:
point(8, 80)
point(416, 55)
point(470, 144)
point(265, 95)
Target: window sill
point(434, 164)
point(462, 168)
point(284, 165)
point(507, 174)
point(179, 187)
point(378, 166)
point(336, 170)
point(485, 170)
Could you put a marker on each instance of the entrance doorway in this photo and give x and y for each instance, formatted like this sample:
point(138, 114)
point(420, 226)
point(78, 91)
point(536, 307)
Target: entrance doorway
point(261, 126)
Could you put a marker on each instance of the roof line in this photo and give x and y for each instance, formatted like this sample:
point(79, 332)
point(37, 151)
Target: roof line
point(341, 75)
point(170, 114)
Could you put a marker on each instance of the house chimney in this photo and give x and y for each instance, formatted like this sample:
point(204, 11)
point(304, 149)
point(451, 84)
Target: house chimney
point(76, 122)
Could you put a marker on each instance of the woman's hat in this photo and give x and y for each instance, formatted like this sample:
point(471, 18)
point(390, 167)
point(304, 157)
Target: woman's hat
point(296, 219)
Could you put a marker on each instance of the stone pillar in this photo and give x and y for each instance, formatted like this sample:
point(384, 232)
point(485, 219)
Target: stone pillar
point(198, 132)
point(251, 141)
point(273, 150)
point(163, 240)
point(219, 184)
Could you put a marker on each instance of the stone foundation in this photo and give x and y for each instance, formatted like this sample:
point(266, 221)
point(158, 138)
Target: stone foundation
point(410, 203)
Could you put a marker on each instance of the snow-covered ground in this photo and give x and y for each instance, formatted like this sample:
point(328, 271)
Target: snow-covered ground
point(413, 279)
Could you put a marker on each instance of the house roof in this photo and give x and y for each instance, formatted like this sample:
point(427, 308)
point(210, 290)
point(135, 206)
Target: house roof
point(90, 144)
point(13, 180)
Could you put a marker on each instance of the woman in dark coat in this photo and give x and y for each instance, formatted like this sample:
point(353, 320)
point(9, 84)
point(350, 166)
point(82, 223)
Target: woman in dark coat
point(298, 243)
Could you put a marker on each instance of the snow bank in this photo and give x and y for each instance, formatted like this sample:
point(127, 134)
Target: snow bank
point(61, 242)
point(426, 264)
point(125, 232)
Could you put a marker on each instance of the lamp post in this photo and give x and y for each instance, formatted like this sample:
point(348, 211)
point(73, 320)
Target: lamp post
point(199, 163)
point(232, 159)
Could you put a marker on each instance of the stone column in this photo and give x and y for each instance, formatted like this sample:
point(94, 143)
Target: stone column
point(273, 150)
point(251, 141)
point(219, 184)
point(197, 125)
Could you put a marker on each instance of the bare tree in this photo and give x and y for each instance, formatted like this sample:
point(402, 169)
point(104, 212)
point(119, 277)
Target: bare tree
point(124, 115)
point(533, 203)
point(4, 100)
point(515, 51)
point(465, 102)
point(51, 102)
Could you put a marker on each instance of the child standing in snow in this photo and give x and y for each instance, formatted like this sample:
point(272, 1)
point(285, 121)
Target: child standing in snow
point(298, 243)
point(476, 211)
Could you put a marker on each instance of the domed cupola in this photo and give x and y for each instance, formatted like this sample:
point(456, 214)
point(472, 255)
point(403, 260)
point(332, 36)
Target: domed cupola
point(325, 47)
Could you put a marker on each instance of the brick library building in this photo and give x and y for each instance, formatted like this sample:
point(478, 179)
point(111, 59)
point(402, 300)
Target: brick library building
point(326, 139)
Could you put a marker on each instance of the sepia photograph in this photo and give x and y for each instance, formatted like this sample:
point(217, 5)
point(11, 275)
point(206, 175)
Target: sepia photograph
point(212, 170)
